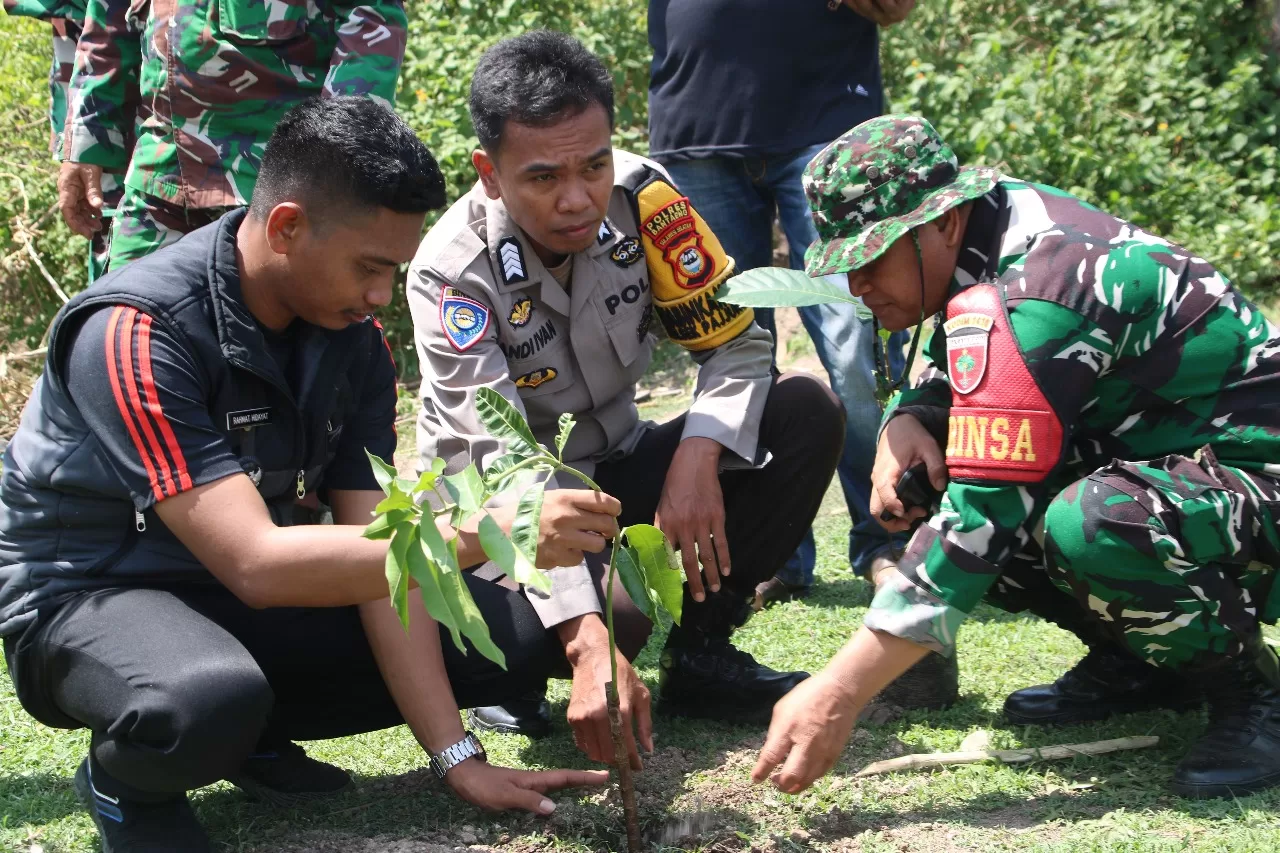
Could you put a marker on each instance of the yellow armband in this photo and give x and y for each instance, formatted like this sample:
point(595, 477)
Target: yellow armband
point(686, 266)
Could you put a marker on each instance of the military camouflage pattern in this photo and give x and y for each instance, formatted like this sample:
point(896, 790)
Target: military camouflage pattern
point(142, 224)
point(214, 79)
point(1144, 352)
point(66, 18)
point(877, 182)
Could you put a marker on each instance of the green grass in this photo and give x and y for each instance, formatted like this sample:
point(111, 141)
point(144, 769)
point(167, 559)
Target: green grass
point(1107, 803)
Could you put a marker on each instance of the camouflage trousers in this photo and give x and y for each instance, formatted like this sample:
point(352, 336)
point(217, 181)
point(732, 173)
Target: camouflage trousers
point(144, 223)
point(100, 243)
point(1174, 559)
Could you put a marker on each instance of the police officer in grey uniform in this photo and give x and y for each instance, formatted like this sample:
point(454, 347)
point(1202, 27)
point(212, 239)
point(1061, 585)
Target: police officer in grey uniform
point(541, 283)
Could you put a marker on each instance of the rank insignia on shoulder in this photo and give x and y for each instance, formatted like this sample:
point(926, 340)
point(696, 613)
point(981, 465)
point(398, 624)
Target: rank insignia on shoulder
point(463, 320)
point(534, 378)
point(627, 252)
point(511, 258)
point(521, 312)
point(967, 336)
point(605, 234)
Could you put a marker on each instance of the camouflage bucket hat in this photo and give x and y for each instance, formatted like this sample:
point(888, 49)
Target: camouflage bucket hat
point(877, 182)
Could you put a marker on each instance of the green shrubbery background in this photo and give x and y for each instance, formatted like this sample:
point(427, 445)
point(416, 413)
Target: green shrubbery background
point(1162, 111)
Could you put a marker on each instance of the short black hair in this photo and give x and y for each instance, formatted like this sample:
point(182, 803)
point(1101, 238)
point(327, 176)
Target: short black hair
point(534, 79)
point(334, 154)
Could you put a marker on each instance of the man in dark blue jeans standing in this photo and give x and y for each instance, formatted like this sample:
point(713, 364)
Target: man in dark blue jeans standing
point(742, 94)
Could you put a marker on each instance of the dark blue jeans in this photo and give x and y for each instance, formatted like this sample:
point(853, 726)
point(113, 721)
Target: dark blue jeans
point(739, 197)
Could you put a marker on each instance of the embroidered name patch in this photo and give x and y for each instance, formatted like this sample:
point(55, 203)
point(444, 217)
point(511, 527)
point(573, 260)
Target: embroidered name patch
point(626, 253)
point(967, 336)
point(521, 312)
point(533, 344)
point(534, 378)
point(463, 320)
point(249, 418)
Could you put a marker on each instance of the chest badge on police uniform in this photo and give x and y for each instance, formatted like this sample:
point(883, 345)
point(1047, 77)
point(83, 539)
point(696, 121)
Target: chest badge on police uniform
point(511, 257)
point(967, 336)
point(626, 253)
point(463, 320)
point(521, 312)
point(534, 378)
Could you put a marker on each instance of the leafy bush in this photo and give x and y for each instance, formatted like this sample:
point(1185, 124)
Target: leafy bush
point(1164, 112)
point(1161, 111)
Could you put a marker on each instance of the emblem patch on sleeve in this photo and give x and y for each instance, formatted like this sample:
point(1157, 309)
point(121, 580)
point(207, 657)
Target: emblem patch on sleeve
point(1001, 428)
point(463, 320)
point(534, 378)
point(967, 336)
point(511, 257)
point(521, 312)
point(626, 253)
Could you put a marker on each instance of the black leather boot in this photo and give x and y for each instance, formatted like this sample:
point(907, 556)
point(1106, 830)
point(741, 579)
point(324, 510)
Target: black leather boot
point(530, 715)
point(702, 675)
point(1240, 751)
point(1107, 681)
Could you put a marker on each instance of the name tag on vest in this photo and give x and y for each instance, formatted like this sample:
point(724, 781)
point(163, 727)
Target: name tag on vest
point(249, 418)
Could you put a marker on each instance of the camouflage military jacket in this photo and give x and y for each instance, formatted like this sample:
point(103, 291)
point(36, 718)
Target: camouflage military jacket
point(214, 77)
point(1072, 338)
point(67, 20)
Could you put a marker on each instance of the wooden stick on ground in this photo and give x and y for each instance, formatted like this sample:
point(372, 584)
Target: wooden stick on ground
point(923, 761)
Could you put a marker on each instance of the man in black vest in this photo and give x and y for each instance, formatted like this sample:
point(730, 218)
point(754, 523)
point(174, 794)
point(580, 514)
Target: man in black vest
point(159, 583)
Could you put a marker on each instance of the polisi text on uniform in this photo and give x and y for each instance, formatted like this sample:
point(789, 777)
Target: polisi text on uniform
point(531, 346)
point(629, 295)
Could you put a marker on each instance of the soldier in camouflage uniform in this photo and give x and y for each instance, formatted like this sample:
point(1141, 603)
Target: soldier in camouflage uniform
point(66, 17)
point(214, 80)
point(1112, 454)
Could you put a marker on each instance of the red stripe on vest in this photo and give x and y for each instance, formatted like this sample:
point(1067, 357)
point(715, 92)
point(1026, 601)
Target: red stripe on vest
point(153, 403)
point(114, 373)
point(1003, 429)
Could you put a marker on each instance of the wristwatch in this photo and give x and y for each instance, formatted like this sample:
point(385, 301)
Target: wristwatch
point(444, 761)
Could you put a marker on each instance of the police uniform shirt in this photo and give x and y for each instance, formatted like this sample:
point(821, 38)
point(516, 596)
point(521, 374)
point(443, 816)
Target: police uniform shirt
point(487, 313)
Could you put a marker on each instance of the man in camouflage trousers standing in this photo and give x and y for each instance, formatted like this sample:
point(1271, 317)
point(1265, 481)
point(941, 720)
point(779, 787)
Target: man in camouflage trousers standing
point(214, 80)
point(66, 18)
point(1106, 401)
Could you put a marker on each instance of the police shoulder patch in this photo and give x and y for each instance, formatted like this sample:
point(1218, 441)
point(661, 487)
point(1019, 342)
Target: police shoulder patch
point(521, 312)
point(511, 259)
point(534, 378)
point(627, 252)
point(462, 319)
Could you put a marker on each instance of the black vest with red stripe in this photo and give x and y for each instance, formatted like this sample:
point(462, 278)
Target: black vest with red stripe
point(68, 523)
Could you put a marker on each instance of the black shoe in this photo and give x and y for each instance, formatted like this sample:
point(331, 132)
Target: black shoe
point(529, 715)
point(126, 826)
point(710, 679)
point(1240, 751)
point(287, 777)
point(1106, 681)
point(776, 591)
point(934, 682)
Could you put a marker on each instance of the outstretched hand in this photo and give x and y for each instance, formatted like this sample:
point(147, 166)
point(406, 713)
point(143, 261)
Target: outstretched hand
point(886, 13)
point(497, 788)
point(810, 727)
